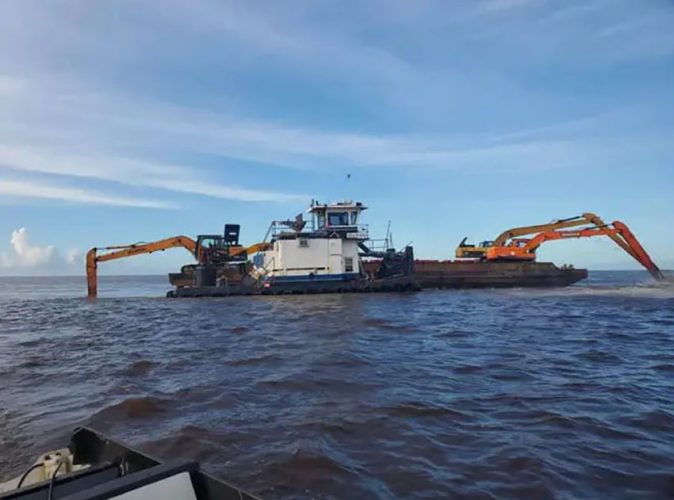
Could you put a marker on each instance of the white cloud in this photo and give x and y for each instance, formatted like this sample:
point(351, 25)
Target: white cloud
point(580, 143)
point(24, 255)
point(73, 125)
point(127, 171)
point(74, 256)
point(40, 190)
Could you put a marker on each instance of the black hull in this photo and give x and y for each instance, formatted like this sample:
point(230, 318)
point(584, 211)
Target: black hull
point(460, 274)
point(426, 274)
point(394, 284)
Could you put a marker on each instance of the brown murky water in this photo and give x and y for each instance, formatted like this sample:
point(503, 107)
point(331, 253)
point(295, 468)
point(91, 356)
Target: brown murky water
point(559, 393)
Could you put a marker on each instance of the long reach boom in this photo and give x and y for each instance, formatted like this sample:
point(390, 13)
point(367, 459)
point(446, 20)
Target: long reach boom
point(525, 249)
point(480, 251)
point(207, 249)
point(123, 251)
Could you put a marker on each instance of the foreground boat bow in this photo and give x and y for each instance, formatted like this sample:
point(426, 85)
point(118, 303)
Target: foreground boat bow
point(94, 466)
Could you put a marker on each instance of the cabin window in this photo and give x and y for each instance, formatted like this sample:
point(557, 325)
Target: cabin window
point(348, 264)
point(304, 242)
point(354, 218)
point(338, 219)
point(320, 220)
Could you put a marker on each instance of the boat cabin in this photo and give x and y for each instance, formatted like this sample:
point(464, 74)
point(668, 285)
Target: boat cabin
point(342, 217)
point(326, 250)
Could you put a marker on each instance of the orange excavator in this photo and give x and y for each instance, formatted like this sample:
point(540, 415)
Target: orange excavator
point(207, 249)
point(469, 251)
point(524, 249)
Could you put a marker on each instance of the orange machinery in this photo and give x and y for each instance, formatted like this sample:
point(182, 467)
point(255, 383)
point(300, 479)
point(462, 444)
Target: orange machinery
point(207, 249)
point(524, 249)
point(468, 251)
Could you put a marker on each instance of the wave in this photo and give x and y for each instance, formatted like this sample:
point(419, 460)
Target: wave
point(656, 290)
point(132, 408)
point(139, 368)
point(419, 409)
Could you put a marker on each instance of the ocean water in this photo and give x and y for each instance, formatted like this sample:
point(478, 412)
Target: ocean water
point(565, 393)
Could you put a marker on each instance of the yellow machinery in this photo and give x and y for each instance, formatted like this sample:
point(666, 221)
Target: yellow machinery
point(207, 249)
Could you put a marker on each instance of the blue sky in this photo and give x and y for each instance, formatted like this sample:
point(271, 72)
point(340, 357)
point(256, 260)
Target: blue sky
point(133, 120)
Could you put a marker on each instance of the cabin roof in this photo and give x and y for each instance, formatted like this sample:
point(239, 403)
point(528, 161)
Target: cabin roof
point(340, 205)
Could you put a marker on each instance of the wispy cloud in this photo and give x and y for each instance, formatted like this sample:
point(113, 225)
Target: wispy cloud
point(39, 190)
point(128, 171)
point(431, 99)
point(578, 143)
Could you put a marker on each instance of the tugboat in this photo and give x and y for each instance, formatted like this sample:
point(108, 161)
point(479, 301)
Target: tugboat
point(322, 255)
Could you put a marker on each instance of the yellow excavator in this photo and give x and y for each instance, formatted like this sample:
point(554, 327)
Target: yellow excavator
point(217, 250)
point(468, 251)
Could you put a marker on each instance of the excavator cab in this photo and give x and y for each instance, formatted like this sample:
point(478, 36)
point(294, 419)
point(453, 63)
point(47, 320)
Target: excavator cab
point(470, 251)
point(519, 242)
point(216, 249)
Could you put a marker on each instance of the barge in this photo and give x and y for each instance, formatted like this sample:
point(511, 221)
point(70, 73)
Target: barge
point(332, 252)
point(479, 274)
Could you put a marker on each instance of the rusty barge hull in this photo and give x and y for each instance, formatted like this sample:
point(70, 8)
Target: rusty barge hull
point(426, 274)
point(475, 274)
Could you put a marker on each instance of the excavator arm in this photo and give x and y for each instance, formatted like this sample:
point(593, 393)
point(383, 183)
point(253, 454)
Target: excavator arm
point(198, 251)
point(502, 239)
point(123, 251)
point(586, 218)
point(257, 247)
point(617, 231)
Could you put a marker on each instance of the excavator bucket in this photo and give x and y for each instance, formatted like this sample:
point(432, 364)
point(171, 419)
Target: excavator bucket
point(638, 251)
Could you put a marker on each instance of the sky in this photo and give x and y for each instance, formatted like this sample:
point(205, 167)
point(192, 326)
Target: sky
point(134, 120)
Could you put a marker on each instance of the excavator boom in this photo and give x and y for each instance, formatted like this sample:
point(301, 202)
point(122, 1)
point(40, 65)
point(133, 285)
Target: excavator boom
point(257, 247)
point(587, 218)
point(123, 251)
point(199, 252)
point(617, 231)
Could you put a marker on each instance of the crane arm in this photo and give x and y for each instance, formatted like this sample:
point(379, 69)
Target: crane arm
point(123, 251)
point(617, 231)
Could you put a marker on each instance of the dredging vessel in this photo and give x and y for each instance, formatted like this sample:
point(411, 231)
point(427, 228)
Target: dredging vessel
point(332, 252)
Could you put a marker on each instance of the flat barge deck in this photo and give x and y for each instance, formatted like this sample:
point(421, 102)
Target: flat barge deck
point(466, 274)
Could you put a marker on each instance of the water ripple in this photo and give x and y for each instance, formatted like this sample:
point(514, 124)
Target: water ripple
point(488, 394)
